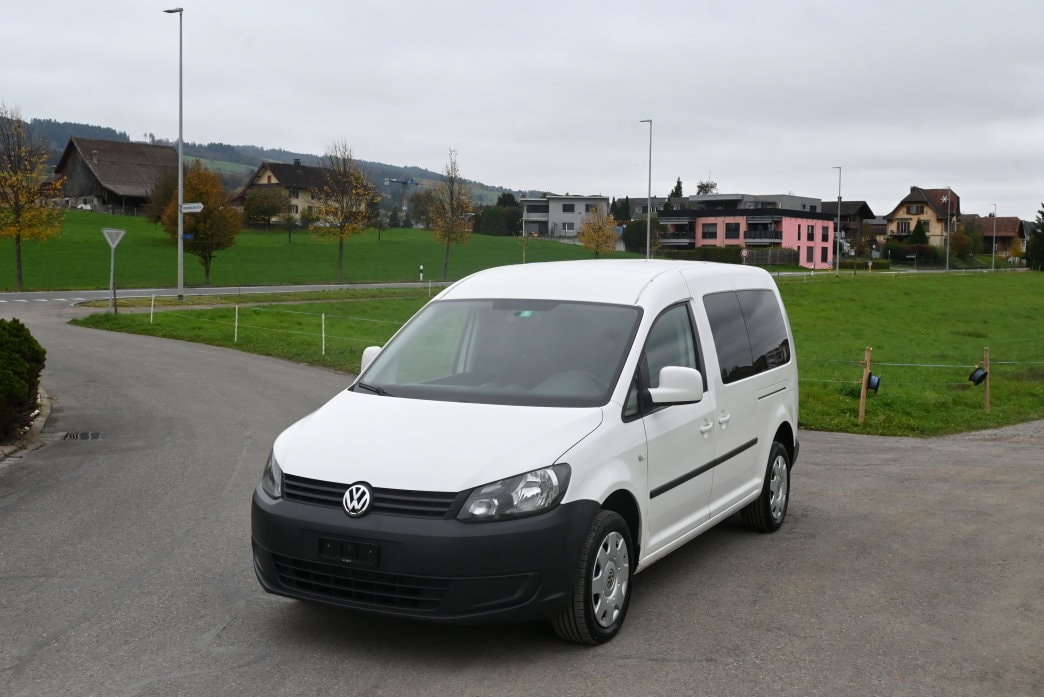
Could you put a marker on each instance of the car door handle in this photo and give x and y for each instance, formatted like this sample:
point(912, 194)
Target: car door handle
point(706, 428)
point(724, 419)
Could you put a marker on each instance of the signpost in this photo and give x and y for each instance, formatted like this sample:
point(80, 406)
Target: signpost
point(192, 207)
point(113, 237)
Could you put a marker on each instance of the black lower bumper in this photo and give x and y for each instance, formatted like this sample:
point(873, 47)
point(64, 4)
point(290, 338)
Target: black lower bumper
point(445, 570)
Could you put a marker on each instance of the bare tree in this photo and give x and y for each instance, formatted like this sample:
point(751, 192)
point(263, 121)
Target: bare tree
point(450, 210)
point(28, 208)
point(345, 201)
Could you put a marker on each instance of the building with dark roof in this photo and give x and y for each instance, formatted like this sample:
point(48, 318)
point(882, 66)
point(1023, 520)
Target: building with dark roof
point(297, 180)
point(936, 209)
point(112, 176)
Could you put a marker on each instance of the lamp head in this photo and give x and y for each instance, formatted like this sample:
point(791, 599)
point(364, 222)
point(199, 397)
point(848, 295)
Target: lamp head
point(176, 10)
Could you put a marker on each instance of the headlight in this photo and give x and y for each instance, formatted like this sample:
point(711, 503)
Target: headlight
point(526, 494)
point(272, 478)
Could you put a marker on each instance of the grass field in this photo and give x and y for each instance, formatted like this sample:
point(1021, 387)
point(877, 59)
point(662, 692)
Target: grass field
point(147, 257)
point(927, 331)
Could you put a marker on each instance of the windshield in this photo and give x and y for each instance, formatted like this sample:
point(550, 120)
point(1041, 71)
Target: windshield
point(522, 352)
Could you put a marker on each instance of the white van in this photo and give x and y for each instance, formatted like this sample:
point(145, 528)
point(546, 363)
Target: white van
point(534, 437)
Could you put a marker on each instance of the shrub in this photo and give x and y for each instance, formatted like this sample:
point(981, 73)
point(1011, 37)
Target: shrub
point(21, 362)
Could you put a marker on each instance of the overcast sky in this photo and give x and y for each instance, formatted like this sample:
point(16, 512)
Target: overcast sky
point(763, 97)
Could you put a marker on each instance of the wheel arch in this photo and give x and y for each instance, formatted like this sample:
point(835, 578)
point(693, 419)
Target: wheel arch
point(788, 438)
point(623, 503)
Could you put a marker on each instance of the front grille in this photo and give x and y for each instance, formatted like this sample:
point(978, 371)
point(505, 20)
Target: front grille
point(362, 586)
point(427, 504)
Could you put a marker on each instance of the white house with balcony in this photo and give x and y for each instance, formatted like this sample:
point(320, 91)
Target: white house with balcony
point(559, 216)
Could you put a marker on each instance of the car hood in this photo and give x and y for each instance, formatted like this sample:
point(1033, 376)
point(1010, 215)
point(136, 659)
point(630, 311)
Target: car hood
point(399, 443)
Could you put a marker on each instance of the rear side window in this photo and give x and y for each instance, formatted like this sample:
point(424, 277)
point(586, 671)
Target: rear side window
point(749, 333)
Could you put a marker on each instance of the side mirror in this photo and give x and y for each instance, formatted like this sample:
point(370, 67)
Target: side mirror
point(678, 385)
point(369, 353)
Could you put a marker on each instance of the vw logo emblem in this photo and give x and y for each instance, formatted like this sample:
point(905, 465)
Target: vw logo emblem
point(357, 500)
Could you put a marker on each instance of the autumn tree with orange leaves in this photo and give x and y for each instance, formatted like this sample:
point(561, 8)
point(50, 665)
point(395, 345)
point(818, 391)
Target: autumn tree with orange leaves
point(211, 230)
point(28, 203)
point(345, 202)
point(450, 210)
point(598, 231)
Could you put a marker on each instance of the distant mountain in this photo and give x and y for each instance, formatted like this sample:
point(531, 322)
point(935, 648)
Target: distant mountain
point(223, 159)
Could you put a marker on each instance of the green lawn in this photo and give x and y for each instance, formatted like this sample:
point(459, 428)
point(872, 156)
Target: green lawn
point(147, 257)
point(927, 332)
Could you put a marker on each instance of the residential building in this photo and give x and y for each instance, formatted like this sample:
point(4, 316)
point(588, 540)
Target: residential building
point(936, 209)
point(295, 179)
point(112, 176)
point(559, 216)
point(743, 220)
point(856, 222)
point(1001, 236)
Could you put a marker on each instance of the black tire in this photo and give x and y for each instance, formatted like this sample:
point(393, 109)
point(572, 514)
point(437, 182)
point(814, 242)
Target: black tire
point(605, 564)
point(767, 512)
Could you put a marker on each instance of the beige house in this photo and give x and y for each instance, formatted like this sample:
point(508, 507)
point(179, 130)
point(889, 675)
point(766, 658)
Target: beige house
point(932, 207)
point(295, 179)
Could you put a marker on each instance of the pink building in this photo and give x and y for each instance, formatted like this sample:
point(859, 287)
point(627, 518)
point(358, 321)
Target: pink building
point(746, 221)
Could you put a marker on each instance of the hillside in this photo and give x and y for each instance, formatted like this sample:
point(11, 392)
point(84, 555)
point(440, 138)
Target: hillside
point(235, 163)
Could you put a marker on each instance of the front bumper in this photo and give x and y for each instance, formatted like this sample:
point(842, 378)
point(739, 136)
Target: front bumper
point(446, 570)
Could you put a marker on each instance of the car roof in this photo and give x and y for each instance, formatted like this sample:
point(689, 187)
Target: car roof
point(618, 281)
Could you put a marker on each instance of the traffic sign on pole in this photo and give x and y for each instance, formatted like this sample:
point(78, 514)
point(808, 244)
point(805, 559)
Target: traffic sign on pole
point(113, 237)
point(192, 207)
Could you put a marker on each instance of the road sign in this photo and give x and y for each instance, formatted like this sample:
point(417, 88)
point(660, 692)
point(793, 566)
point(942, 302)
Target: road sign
point(192, 207)
point(113, 236)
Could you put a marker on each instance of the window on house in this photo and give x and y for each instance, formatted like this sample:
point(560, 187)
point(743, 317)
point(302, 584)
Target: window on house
point(568, 227)
point(927, 227)
point(536, 209)
point(294, 210)
point(710, 231)
point(823, 255)
point(590, 207)
point(810, 233)
point(915, 209)
point(293, 193)
point(826, 233)
point(732, 231)
point(568, 208)
point(902, 227)
point(269, 181)
point(809, 251)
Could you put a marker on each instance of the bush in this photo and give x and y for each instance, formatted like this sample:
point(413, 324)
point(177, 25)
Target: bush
point(20, 367)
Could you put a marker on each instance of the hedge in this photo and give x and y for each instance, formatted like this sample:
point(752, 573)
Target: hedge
point(21, 362)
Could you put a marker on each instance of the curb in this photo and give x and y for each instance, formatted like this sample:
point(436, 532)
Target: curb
point(29, 439)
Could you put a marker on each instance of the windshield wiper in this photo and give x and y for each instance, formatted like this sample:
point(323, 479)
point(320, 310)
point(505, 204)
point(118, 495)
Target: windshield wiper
point(372, 388)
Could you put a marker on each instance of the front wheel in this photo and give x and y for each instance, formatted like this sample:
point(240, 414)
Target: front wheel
point(766, 513)
point(602, 589)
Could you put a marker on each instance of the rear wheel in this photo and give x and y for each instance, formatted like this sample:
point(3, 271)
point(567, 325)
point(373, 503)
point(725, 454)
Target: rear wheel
point(602, 589)
point(766, 513)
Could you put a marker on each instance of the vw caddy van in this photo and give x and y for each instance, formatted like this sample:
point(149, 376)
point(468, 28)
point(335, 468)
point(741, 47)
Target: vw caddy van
point(532, 439)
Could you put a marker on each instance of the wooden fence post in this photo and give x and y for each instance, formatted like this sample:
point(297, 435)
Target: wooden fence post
point(863, 384)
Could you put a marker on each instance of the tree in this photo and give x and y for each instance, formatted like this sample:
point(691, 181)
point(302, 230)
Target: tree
point(508, 200)
point(451, 210)
point(214, 228)
point(623, 210)
point(919, 236)
point(420, 204)
point(261, 205)
point(166, 189)
point(598, 231)
point(706, 186)
point(345, 200)
point(27, 201)
point(973, 229)
point(960, 244)
point(1035, 243)
point(676, 192)
point(635, 232)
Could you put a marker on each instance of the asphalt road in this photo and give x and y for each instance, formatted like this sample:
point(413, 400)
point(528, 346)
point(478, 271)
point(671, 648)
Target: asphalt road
point(905, 567)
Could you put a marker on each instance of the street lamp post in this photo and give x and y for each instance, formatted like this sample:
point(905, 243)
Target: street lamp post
point(181, 167)
point(949, 195)
point(993, 252)
point(648, 207)
point(837, 230)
